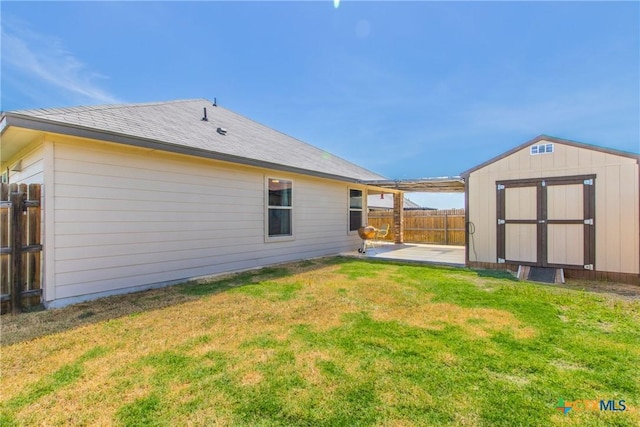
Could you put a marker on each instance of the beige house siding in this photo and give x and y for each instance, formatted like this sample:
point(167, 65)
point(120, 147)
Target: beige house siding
point(617, 195)
point(32, 162)
point(126, 218)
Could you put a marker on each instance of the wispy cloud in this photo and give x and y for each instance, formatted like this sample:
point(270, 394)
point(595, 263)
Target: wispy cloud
point(43, 60)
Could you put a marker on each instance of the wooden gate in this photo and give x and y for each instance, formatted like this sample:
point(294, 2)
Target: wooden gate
point(547, 222)
point(20, 247)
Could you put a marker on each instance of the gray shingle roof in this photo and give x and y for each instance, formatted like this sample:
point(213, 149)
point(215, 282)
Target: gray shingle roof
point(179, 124)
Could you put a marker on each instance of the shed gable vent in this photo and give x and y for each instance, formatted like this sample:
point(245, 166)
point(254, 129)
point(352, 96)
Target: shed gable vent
point(541, 149)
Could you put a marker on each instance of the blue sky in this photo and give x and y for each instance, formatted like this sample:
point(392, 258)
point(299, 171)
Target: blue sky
point(406, 89)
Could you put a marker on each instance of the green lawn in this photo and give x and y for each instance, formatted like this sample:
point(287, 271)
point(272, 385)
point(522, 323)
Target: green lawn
point(336, 342)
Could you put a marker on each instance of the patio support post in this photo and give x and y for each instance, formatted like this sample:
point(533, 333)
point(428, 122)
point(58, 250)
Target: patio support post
point(398, 217)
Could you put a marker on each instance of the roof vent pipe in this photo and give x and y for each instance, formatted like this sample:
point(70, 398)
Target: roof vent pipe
point(215, 102)
point(204, 118)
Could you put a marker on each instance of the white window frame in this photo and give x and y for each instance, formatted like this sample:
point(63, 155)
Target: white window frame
point(267, 207)
point(363, 209)
point(538, 149)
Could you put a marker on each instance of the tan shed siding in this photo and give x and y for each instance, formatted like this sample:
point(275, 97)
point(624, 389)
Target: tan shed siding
point(482, 214)
point(520, 203)
point(611, 208)
point(565, 202)
point(617, 200)
point(128, 217)
point(621, 204)
point(566, 243)
point(521, 244)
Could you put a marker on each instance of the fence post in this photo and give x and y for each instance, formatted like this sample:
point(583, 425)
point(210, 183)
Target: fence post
point(17, 207)
point(446, 229)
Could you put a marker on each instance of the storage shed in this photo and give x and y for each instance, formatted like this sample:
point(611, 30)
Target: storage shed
point(552, 202)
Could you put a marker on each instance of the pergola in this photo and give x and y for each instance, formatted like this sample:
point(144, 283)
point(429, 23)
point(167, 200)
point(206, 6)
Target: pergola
point(451, 184)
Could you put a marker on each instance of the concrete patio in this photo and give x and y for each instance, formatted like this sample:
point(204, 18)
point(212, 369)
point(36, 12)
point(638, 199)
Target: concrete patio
point(414, 252)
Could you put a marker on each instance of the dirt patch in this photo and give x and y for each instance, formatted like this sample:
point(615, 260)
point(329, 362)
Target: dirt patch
point(615, 289)
point(622, 290)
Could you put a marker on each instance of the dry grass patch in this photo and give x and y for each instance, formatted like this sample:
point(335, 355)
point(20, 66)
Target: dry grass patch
point(417, 309)
point(477, 322)
point(251, 378)
point(488, 284)
point(567, 366)
point(447, 358)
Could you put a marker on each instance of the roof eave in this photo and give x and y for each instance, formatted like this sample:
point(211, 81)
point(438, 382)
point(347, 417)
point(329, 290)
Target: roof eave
point(3, 123)
point(43, 125)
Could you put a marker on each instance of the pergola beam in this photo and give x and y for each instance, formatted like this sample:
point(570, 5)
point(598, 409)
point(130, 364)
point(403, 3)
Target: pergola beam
point(453, 184)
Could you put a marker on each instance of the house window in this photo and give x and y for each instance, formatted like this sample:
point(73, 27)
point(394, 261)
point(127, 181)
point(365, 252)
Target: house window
point(279, 208)
point(541, 149)
point(355, 209)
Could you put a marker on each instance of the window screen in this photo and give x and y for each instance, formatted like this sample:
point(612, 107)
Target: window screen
point(280, 208)
point(355, 209)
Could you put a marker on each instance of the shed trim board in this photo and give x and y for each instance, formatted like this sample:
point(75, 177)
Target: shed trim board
point(542, 220)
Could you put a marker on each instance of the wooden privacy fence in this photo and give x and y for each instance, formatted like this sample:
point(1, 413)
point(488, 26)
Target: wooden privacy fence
point(443, 227)
point(20, 247)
